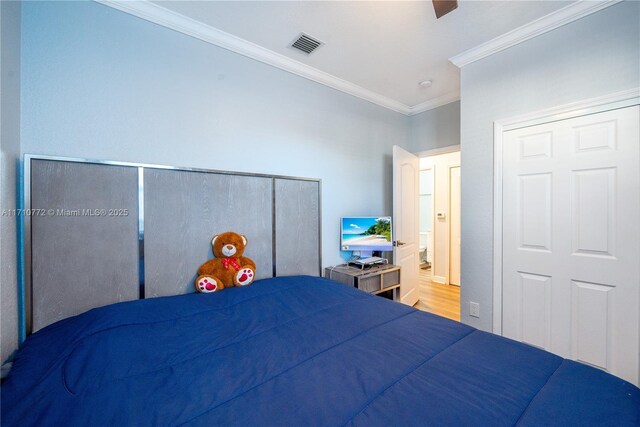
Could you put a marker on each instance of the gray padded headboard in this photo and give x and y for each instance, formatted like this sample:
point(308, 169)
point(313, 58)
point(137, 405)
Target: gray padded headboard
point(104, 232)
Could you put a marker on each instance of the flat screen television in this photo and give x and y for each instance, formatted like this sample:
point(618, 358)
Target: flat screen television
point(366, 234)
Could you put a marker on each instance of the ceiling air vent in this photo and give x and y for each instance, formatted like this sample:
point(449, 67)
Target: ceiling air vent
point(306, 43)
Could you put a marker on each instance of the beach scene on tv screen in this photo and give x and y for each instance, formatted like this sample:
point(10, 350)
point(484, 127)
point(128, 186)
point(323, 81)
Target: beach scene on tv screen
point(366, 231)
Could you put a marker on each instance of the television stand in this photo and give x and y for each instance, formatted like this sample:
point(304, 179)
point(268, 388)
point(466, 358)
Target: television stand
point(381, 279)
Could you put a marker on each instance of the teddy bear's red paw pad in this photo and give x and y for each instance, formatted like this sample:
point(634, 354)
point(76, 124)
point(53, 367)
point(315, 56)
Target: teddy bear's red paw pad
point(206, 284)
point(244, 276)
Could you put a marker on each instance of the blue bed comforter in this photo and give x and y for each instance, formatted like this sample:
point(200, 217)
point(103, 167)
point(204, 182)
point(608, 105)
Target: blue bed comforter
point(296, 351)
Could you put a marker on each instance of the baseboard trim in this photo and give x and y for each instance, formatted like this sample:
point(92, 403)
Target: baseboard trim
point(439, 279)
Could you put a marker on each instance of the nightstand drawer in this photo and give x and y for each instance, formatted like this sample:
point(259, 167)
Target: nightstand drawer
point(391, 278)
point(369, 283)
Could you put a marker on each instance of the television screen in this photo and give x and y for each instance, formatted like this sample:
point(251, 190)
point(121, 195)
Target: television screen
point(366, 234)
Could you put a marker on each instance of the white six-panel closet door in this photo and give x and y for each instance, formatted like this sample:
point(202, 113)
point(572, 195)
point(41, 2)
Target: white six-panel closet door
point(571, 242)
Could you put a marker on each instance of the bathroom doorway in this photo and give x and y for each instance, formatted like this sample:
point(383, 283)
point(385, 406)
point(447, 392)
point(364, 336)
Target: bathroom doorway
point(439, 233)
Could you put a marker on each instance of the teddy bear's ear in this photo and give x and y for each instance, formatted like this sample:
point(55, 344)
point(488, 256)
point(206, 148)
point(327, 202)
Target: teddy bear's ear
point(213, 241)
point(244, 239)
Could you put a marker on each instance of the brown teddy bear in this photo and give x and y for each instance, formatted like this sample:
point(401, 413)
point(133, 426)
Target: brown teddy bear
point(229, 268)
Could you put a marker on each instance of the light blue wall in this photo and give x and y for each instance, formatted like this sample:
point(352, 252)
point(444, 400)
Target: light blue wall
point(10, 148)
point(436, 128)
point(98, 83)
point(594, 56)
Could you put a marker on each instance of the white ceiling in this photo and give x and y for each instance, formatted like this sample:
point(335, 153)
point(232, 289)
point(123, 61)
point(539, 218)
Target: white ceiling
point(386, 47)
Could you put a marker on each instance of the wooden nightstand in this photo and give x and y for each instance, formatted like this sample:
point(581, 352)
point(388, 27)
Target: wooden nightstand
point(381, 280)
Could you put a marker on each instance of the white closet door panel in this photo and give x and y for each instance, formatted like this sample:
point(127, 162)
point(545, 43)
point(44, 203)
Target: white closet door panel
point(571, 245)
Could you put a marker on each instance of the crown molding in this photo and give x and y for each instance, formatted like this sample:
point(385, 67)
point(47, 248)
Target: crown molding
point(609, 101)
point(447, 98)
point(547, 23)
point(167, 18)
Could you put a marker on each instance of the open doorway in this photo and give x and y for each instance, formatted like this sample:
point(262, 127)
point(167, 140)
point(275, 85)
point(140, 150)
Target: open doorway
point(439, 233)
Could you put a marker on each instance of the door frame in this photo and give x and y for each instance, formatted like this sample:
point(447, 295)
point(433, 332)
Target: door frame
point(451, 167)
point(433, 218)
point(436, 151)
point(585, 107)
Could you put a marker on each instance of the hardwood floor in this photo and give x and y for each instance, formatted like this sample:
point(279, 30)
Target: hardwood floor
point(443, 300)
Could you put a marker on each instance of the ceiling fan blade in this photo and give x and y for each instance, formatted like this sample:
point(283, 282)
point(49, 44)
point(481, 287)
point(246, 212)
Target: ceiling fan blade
point(442, 7)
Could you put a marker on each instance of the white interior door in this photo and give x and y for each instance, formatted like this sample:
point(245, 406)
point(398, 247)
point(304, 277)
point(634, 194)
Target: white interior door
point(454, 226)
point(571, 239)
point(406, 170)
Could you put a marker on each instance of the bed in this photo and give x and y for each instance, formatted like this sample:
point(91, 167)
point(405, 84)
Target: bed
point(117, 335)
point(293, 351)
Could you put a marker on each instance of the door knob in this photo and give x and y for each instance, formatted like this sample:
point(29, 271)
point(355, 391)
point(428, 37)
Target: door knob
point(398, 243)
